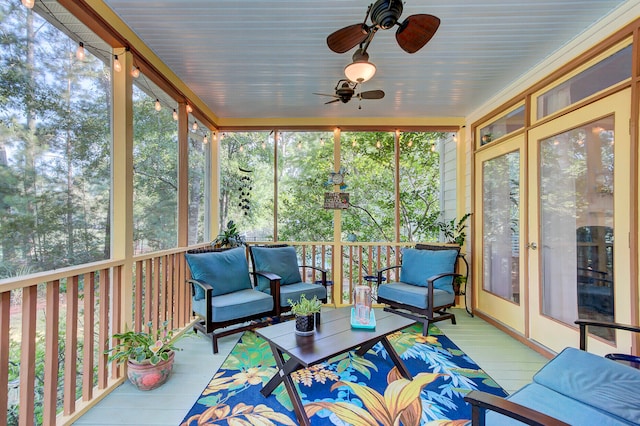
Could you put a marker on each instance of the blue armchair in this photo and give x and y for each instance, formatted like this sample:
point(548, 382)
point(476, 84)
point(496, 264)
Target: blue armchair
point(222, 294)
point(279, 263)
point(425, 286)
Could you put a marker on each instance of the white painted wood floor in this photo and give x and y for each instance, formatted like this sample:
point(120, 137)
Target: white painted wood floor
point(507, 361)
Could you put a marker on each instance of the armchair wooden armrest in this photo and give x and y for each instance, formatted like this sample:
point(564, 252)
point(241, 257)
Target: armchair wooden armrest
point(206, 287)
point(274, 286)
point(583, 324)
point(383, 270)
point(208, 294)
point(482, 401)
point(323, 272)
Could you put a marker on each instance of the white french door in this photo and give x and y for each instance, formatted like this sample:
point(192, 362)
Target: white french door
point(553, 222)
point(579, 185)
point(499, 216)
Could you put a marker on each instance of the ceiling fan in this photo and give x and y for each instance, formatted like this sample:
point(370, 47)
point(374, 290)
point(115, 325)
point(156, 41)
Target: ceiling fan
point(345, 90)
point(412, 34)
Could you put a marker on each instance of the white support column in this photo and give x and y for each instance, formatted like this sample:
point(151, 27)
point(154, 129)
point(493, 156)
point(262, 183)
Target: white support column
point(336, 262)
point(122, 180)
point(213, 187)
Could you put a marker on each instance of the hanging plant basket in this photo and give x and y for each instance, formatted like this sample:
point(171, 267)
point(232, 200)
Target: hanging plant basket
point(146, 376)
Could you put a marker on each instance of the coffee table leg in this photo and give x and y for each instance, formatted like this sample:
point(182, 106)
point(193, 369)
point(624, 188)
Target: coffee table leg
point(284, 375)
point(396, 358)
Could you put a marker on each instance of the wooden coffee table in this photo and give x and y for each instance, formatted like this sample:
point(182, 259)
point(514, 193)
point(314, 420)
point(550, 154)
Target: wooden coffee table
point(334, 335)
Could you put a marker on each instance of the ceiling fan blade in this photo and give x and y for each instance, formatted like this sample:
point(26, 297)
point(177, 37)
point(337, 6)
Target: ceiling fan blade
point(416, 31)
point(347, 38)
point(325, 94)
point(330, 102)
point(371, 94)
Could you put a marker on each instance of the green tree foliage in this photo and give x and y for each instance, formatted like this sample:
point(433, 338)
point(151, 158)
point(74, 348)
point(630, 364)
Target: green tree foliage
point(305, 161)
point(155, 175)
point(54, 146)
point(247, 155)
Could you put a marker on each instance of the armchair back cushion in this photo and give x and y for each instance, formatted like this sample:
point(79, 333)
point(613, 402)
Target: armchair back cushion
point(226, 271)
point(282, 261)
point(419, 265)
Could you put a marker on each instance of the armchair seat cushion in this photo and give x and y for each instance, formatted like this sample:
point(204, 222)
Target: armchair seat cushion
point(239, 304)
point(294, 291)
point(414, 295)
point(228, 269)
point(580, 388)
point(419, 265)
point(556, 405)
point(282, 261)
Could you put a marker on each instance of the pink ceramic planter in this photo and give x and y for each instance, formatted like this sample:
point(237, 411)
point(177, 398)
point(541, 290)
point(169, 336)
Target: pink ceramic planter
point(147, 376)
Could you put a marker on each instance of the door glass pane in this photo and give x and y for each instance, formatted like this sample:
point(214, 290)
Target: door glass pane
point(576, 219)
point(501, 226)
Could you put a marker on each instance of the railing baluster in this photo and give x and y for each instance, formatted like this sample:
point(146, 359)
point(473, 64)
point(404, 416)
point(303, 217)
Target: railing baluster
point(147, 293)
point(28, 354)
point(116, 313)
point(71, 347)
point(52, 322)
point(103, 333)
point(5, 321)
point(137, 307)
point(155, 296)
point(89, 324)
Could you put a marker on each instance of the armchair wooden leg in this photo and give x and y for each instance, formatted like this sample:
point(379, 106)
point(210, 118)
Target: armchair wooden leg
point(215, 343)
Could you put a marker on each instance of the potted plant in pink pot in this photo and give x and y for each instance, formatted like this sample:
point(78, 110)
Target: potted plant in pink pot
point(149, 356)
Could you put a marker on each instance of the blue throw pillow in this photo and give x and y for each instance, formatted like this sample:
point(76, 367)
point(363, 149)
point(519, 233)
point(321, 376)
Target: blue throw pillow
point(226, 271)
point(418, 265)
point(282, 261)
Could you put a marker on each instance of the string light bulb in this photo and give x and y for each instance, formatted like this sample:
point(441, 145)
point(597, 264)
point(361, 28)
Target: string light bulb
point(299, 145)
point(189, 109)
point(158, 106)
point(195, 126)
point(205, 140)
point(135, 72)
point(433, 148)
point(378, 144)
point(80, 55)
point(28, 3)
point(175, 114)
point(410, 143)
point(241, 148)
point(117, 66)
point(321, 141)
point(264, 145)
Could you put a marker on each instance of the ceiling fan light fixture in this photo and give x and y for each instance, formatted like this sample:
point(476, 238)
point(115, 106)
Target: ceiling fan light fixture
point(360, 70)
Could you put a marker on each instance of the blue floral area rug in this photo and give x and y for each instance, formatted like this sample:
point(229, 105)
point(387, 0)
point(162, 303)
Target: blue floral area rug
point(348, 389)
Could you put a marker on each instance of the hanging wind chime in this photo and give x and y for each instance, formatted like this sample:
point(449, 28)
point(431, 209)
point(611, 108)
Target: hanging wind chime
point(246, 186)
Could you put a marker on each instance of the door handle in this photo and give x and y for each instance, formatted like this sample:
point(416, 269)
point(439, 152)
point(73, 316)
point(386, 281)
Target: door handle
point(532, 246)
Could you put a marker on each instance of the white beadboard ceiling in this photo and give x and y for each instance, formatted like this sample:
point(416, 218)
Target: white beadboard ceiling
point(265, 58)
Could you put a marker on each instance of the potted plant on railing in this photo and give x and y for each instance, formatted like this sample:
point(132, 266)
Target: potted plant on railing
point(305, 311)
point(230, 237)
point(149, 356)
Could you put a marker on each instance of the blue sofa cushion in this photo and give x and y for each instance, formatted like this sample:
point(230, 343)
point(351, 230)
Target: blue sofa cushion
point(414, 295)
point(594, 380)
point(419, 265)
point(294, 291)
point(282, 261)
point(226, 271)
point(554, 404)
point(236, 305)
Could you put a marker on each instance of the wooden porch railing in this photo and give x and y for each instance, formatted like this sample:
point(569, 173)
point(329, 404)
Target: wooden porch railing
point(55, 327)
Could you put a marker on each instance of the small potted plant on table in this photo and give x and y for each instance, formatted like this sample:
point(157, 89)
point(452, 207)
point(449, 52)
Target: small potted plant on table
point(149, 356)
point(305, 311)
